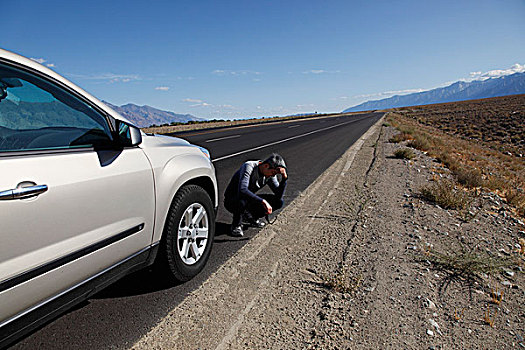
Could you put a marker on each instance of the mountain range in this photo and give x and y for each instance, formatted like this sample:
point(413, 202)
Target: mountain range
point(458, 91)
point(144, 116)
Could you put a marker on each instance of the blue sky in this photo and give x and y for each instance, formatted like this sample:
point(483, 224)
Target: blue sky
point(237, 59)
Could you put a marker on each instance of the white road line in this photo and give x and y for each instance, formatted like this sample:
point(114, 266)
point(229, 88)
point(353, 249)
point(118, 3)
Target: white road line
point(293, 126)
point(281, 141)
point(223, 138)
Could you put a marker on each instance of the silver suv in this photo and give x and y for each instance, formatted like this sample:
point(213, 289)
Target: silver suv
point(86, 197)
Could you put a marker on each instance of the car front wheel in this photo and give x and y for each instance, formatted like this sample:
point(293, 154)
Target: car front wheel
point(188, 233)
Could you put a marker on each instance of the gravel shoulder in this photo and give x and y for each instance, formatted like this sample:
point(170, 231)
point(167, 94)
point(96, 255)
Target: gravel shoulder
point(344, 267)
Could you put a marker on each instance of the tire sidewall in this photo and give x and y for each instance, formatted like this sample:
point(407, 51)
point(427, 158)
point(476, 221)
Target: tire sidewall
point(185, 197)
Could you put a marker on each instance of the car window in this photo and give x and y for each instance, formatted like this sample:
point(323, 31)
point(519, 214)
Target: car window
point(35, 114)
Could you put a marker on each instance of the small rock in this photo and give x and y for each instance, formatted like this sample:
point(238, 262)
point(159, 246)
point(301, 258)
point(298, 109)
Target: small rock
point(503, 251)
point(507, 283)
point(469, 331)
point(435, 325)
point(430, 304)
point(429, 332)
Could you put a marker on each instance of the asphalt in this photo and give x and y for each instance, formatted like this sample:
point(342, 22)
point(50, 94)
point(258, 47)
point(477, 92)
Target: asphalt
point(122, 313)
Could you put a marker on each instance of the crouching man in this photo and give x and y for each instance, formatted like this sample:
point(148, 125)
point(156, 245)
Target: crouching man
point(240, 198)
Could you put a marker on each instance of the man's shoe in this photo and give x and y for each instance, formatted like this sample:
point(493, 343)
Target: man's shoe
point(257, 223)
point(249, 220)
point(237, 231)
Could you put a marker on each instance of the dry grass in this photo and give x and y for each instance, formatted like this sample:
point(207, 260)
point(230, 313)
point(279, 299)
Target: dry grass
point(469, 177)
point(404, 153)
point(474, 162)
point(421, 142)
point(468, 264)
point(400, 137)
point(343, 281)
point(447, 195)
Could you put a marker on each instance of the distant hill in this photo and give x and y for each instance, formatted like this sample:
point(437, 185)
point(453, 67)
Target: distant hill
point(458, 91)
point(144, 116)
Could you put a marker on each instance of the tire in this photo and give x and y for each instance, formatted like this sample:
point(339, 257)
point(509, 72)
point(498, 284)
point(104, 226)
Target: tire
point(188, 234)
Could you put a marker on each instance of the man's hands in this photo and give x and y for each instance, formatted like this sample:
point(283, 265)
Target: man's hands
point(267, 206)
point(282, 171)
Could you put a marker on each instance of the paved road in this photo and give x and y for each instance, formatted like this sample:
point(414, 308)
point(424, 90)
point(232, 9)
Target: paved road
point(119, 315)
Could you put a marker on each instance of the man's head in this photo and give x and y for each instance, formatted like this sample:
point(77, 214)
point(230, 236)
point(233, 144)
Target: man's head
point(272, 165)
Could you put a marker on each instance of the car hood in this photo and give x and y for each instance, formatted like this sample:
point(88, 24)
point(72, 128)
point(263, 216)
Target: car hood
point(154, 140)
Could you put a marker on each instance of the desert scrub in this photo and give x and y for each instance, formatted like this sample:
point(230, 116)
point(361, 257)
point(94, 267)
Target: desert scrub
point(516, 198)
point(421, 142)
point(468, 264)
point(404, 153)
point(448, 160)
point(400, 137)
point(446, 194)
point(469, 177)
point(342, 281)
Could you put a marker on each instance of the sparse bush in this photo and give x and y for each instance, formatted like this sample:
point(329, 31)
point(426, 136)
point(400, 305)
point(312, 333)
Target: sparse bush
point(343, 282)
point(400, 137)
point(448, 160)
point(469, 177)
point(445, 194)
point(516, 198)
point(496, 183)
point(404, 153)
point(468, 264)
point(420, 142)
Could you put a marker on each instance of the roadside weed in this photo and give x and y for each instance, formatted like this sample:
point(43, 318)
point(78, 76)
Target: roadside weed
point(343, 281)
point(459, 315)
point(490, 321)
point(445, 194)
point(468, 264)
point(496, 296)
point(404, 153)
point(400, 137)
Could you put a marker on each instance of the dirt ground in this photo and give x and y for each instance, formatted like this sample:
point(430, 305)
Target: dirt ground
point(347, 265)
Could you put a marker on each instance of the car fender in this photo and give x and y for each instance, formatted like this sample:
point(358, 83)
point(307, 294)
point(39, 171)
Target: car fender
point(175, 173)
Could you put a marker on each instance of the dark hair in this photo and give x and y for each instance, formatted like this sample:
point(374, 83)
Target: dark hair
point(275, 161)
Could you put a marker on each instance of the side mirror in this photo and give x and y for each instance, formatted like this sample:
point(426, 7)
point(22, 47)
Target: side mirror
point(127, 135)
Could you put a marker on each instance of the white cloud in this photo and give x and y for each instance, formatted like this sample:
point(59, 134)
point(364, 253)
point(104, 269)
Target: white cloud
point(42, 61)
point(222, 72)
point(109, 77)
point(197, 102)
point(38, 60)
point(321, 71)
point(192, 100)
point(388, 93)
point(516, 68)
point(162, 88)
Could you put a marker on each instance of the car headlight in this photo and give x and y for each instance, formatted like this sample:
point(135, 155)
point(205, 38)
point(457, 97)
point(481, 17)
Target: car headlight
point(205, 151)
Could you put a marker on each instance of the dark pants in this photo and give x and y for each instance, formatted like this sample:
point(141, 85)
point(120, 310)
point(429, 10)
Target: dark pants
point(255, 208)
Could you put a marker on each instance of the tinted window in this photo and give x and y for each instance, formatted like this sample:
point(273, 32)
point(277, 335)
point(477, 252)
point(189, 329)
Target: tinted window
point(36, 114)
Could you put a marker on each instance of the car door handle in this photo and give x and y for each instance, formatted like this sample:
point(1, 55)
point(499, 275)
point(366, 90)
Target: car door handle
point(23, 192)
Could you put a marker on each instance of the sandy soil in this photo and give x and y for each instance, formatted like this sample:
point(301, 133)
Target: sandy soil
point(344, 267)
